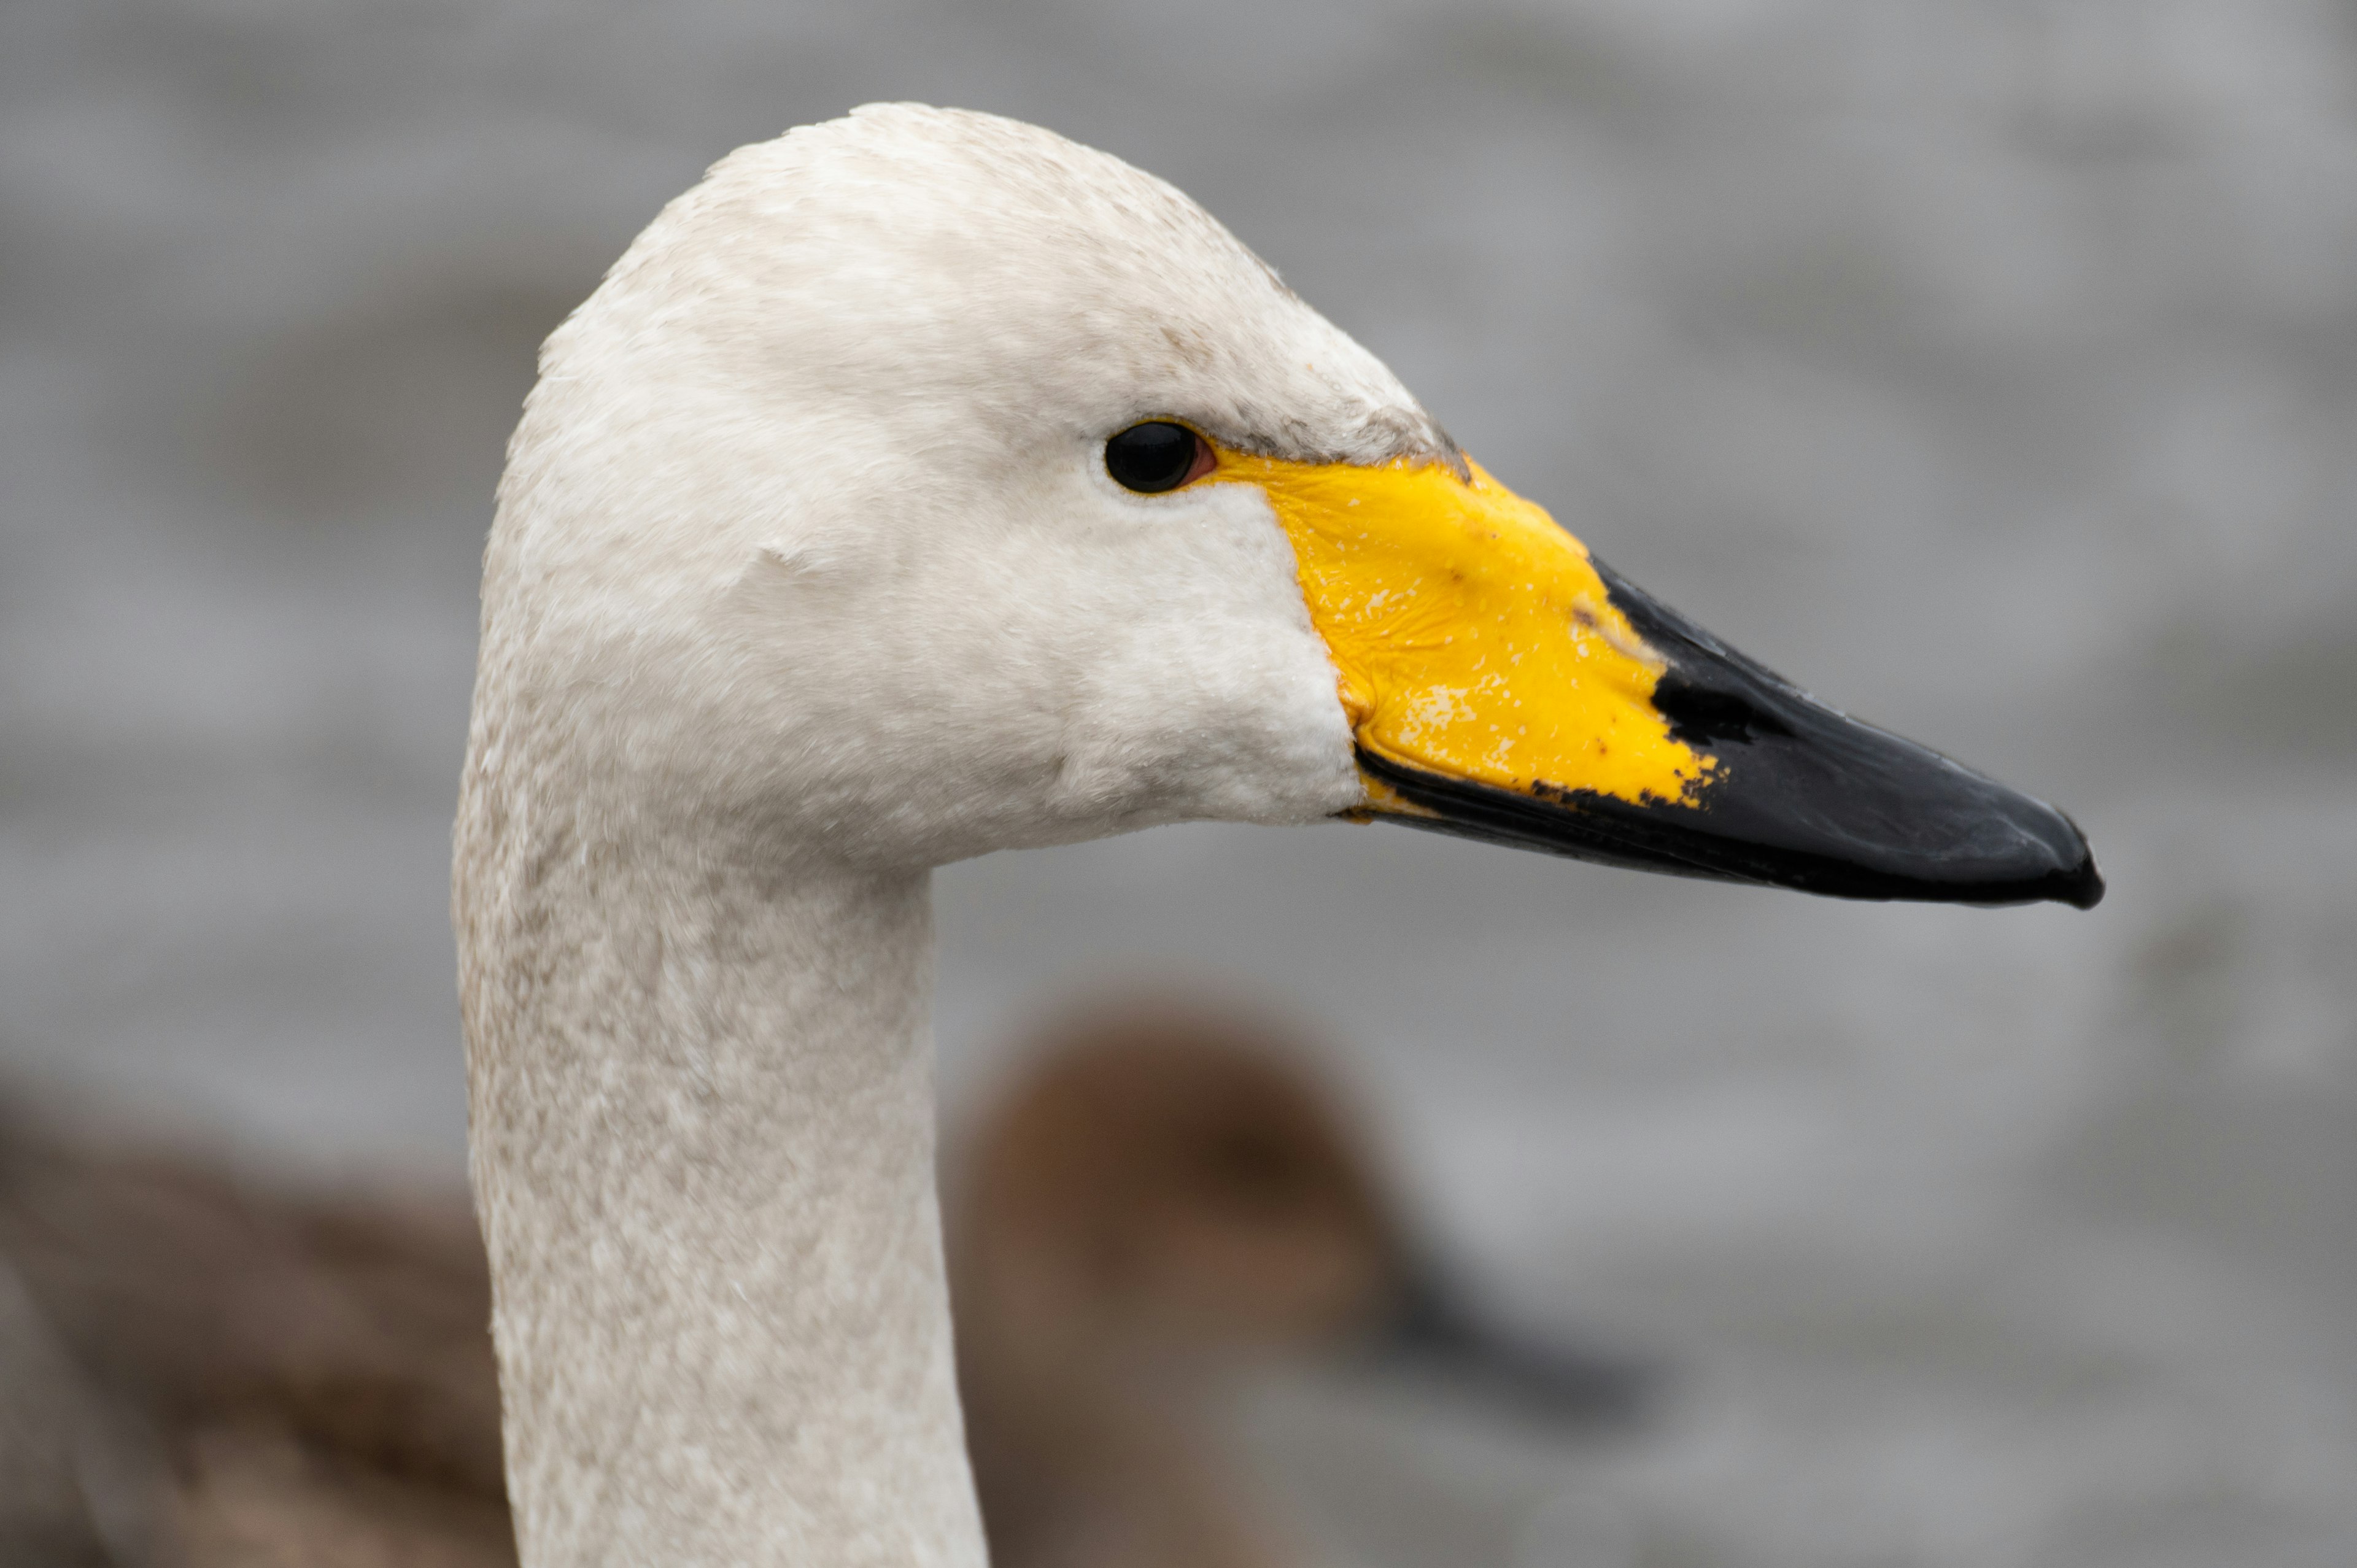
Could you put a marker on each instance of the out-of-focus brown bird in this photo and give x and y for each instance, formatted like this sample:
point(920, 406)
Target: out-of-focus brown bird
point(200, 1372)
point(1165, 1199)
point(248, 1377)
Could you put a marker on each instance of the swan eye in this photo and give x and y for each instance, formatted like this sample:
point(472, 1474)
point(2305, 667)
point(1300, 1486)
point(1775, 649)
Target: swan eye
point(1156, 455)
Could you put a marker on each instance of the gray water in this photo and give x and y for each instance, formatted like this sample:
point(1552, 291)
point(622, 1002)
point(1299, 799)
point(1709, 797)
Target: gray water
point(1988, 365)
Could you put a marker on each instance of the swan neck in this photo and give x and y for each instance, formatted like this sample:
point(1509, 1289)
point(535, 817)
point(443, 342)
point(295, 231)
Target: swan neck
point(703, 1131)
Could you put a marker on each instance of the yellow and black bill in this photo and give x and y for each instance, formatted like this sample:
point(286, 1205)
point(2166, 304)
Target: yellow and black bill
point(1798, 795)
point(1503, 685)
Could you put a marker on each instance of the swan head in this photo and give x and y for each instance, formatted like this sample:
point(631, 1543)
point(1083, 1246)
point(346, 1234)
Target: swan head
point(922, 484)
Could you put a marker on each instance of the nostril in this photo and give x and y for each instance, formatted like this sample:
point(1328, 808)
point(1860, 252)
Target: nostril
point(1699, 714)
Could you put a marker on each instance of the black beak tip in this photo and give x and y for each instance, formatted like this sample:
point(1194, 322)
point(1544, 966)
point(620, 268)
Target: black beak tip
point(1810, 798)
point(2049, 861)
point(2078, 883)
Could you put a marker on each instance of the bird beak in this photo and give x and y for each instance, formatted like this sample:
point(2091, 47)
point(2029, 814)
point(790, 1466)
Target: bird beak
point(1503, 685)
point(1432, 1329)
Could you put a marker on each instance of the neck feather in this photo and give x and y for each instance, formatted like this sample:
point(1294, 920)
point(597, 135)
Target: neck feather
point(702, 1127)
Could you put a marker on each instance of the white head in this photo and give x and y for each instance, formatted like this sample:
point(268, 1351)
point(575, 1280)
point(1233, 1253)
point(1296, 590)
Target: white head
point(820, 465)
point(808, 539)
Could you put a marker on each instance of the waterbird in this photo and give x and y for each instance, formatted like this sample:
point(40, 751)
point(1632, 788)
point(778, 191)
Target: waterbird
point(1164, 1203)
point(919, 484)
point(210, 1368)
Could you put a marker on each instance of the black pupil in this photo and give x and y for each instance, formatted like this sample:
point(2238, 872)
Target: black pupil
point(1152, 457)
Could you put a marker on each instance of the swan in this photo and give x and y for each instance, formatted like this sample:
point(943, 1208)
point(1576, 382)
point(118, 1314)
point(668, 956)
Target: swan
point(918, 485)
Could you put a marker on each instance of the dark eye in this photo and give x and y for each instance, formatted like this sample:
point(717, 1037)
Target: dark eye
point(1253, 1171)
point(1156, 455)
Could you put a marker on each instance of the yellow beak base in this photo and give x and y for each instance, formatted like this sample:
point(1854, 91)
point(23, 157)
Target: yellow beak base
point(1472, 636)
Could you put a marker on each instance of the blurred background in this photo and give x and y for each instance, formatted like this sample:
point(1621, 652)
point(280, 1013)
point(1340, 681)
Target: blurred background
point(1989, 366)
